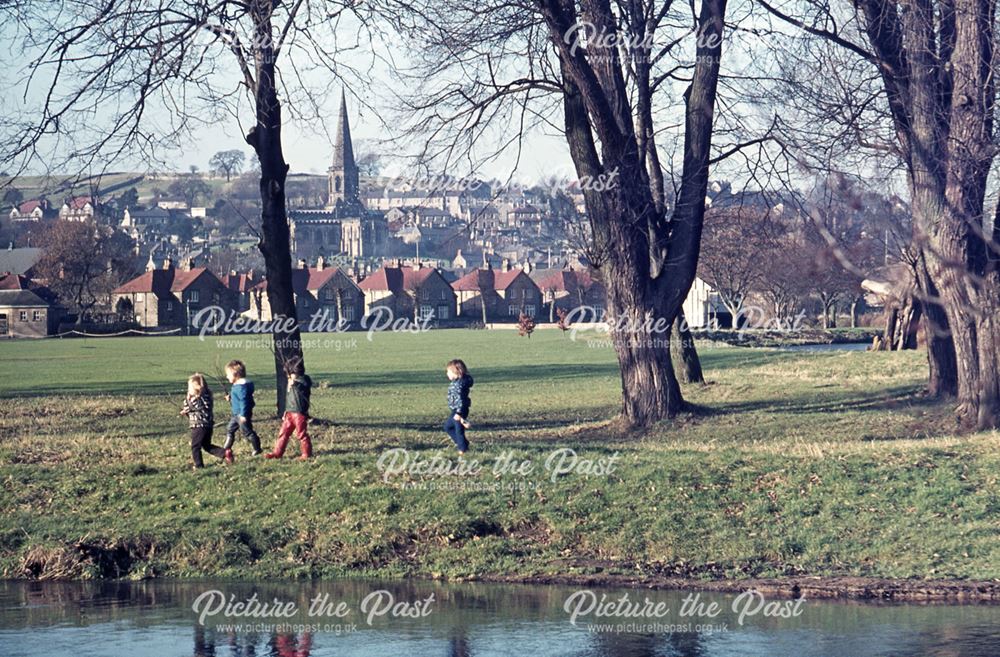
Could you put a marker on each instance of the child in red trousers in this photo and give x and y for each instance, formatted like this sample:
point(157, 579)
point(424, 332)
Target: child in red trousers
point(296, 412)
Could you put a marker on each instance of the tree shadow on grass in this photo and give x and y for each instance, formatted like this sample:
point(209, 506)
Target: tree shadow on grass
point(332, 381)
point(900, 397)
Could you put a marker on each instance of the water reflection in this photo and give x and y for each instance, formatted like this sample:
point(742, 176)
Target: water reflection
point(472, 620)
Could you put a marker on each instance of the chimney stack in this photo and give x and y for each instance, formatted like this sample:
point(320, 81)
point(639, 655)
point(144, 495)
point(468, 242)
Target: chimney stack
point(188, 264)
point(302, 263)
point(168, 263)
point(505, 265)
point(321, 263)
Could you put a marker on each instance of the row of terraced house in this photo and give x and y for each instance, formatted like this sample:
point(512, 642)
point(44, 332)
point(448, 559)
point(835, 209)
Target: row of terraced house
point(170, 296)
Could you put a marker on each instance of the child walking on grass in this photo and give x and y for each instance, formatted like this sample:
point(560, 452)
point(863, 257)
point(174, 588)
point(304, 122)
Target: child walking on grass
point(296, 412)
point(458, 403)
point(198, 409)
point(240, 397)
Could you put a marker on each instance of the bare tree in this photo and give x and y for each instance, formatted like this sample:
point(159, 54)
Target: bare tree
point(107, 73)
point(83, 262)
point(190, 187)
point(605, 66)
point(930, 70)
point(228, 163)
point(738, 243)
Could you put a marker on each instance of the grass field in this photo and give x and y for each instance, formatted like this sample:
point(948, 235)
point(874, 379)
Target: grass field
point(791, 463)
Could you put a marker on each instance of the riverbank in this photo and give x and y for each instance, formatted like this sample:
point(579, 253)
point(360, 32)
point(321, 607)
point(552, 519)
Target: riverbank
point(790, 467)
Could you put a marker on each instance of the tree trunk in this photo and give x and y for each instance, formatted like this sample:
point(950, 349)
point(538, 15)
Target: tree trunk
point(906, 329)
point(650, 390)
point(854, 313)
point(690, 364)
point(889, 333)
point(942, 366)
point(265, 138)
point(648, 260)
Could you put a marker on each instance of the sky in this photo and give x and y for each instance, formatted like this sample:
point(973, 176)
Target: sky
point(367, 73)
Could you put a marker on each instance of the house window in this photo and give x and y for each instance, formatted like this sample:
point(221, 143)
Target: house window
point(512, 311)
point(349, 313)
point(36, 315)
point(426, 311)
point(529, 311)
point(329, 294)
point(170, 306)
point(425, 294)
point(443, 312)
point(23, 315)
point(194, 296)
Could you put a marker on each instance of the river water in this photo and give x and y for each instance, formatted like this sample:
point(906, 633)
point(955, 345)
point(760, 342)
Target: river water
point(373, 619)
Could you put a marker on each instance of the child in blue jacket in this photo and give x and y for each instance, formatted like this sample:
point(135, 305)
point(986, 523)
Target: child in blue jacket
point(241, 399)
point(459, 403)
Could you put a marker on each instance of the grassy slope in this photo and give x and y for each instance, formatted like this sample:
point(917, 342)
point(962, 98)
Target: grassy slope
point(55, 188)
point(794, 463)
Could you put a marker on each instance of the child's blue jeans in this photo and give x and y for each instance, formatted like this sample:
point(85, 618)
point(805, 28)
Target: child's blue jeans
point(246, 427)
point(455, 429)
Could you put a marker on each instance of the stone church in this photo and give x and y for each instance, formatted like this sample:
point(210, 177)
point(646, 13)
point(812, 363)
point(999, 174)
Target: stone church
point(344, 227)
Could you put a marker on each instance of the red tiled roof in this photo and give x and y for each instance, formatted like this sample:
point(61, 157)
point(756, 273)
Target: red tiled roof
point(14, 282)
point(163, 281)
point(397, 279)
point(474, 281)
point(566, 281)
point(306, 280)
point(486, 279)
point(504, 279)
point(79, 202)
point(29, 206)
point(238, 282)
point(414, 278)
point(17, 282)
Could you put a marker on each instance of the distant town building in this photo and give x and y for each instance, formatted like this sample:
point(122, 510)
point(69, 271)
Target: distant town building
point(33, 210)
point(703, 308)
point(242, 286)
point(137, 219)
point(413, 292)
point(570, 289)
point(323, 295)
point(27, 310)
point(505, 295)
point(344, 226)
point(171, 297)
point(78, 208)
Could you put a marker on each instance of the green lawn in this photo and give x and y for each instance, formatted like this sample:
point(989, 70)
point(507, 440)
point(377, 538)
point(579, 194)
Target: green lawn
point(827, 464)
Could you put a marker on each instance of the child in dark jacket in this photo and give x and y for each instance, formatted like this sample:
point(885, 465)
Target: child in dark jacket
point(240, 397)
point(458, 403)
point(296, 412)
point(198, 409)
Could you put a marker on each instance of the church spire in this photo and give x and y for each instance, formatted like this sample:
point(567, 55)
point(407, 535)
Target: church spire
point(343, 174)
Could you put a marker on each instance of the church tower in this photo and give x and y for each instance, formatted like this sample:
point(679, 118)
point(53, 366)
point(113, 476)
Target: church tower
point(343, 174)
